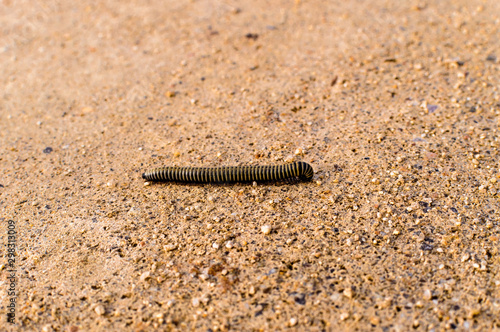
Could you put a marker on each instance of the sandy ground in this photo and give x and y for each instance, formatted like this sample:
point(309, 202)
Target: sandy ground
point(395, 104)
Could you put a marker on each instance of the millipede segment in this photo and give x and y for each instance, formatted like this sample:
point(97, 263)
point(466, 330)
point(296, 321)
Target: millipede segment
point(231, 174)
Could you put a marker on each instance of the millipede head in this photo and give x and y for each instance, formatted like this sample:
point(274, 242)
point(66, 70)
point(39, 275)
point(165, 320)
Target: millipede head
point(144, 176)
point(307, 171)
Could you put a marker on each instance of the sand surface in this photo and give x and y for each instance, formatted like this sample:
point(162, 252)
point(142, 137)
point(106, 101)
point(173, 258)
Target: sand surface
point(395, 104)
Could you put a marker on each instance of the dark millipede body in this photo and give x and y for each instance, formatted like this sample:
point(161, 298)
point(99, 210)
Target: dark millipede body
point(227, 174)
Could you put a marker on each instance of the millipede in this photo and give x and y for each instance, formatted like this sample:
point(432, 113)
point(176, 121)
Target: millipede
point(231, 174)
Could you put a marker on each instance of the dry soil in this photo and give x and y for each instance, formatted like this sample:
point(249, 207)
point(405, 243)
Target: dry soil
point(396, 105)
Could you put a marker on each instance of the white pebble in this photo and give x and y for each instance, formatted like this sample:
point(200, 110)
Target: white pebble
point(293, 321)
point(195, 302)
point(100, 310)
point(169, 247)
point(47, 328)
point(266, 229)
point(348, 292)
point(145, 276)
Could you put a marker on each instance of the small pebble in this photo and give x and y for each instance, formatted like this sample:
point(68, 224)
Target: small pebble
point(47, 150)
point(266, 229)
point(169, 247)
point(47, 328)
point(158, 316)
point(100, 310)
point(195, 302)
point(491, 57)
point(87, 109)
point(348, 292)
point(374, 320)
point(474, 312)
point(145, 276)
point(344, 316)
point(293, 321)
